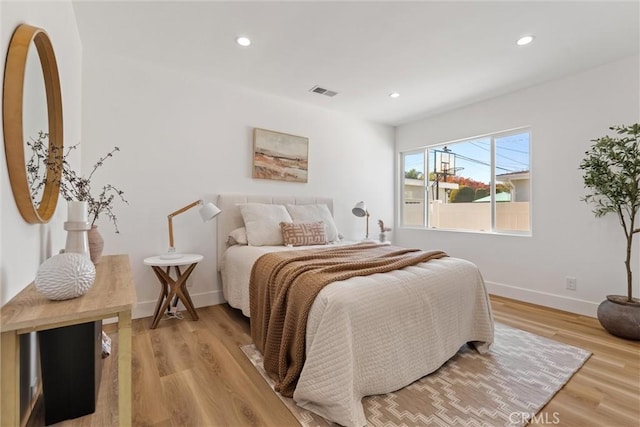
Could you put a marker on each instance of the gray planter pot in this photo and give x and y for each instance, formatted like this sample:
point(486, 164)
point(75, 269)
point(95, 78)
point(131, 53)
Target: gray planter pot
point(619, 317)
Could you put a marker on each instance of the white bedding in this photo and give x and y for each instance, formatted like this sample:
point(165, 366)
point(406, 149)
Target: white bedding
point(364, 337)
point(235, 268)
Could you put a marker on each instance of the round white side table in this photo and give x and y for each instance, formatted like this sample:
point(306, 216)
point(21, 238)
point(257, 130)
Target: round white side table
point(170, 287)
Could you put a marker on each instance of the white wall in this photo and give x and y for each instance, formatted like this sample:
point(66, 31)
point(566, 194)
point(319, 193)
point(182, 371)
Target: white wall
point(184, 137)
point(567, 240)
point(23, 247)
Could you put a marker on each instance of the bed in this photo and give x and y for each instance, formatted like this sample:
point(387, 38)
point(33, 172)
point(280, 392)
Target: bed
point(371, 334)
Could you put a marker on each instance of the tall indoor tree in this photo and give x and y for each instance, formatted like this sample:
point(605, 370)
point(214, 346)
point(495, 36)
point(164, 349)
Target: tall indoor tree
point(612, 178)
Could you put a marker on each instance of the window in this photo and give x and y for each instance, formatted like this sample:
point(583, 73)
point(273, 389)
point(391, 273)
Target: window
point(476, 184)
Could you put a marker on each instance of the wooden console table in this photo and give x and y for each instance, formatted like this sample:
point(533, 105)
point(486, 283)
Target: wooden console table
point(113, 294)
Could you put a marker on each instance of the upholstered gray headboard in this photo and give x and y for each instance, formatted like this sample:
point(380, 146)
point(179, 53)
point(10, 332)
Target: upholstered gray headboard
point(230, 217)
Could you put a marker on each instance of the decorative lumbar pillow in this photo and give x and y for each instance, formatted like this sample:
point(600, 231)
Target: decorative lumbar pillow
point(314, 213)
point(65, 276)
point(303, 233)
point(262, 222)
point(238, 237)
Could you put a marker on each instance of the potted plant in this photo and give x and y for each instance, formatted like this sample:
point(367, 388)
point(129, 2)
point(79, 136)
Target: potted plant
point(383, 231)
point(74, 187)
point(612, 177)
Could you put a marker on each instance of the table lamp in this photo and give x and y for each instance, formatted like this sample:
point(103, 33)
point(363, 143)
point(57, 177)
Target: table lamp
point(208, 211)
point(360, 210)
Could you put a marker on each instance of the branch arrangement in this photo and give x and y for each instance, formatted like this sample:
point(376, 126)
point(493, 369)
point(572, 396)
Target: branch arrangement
point(382, 227)
point(72, 185)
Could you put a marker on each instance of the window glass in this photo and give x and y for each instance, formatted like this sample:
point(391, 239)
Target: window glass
point(413, 213)
point(461, 175)
point(513, 185)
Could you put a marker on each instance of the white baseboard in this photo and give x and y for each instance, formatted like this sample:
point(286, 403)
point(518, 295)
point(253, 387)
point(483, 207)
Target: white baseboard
point(572, 305)
point(205, 299)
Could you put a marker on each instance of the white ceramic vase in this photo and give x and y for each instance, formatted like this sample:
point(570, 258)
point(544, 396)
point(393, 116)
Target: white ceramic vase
point(77, 226)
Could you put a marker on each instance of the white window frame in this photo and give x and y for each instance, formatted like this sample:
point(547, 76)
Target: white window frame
point(427, 170)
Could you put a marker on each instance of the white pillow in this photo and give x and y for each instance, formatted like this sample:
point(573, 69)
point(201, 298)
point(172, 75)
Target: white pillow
point(238, 237)
point(262, 222)
point(311, 213)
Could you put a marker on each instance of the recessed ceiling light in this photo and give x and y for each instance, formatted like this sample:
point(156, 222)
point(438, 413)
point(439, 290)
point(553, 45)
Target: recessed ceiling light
point(394, 95)
point(524, 40)
point(243, 41)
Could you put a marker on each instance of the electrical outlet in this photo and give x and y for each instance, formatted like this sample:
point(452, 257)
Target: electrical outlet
point(571, 283)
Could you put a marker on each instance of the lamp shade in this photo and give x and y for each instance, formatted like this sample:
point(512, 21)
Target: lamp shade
point(360, 209)
point(208, 211)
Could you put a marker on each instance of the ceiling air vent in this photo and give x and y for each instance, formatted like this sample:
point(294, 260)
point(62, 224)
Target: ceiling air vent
point(323, 91)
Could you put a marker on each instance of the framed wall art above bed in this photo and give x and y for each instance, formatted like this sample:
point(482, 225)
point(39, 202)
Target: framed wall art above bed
point(280, 156)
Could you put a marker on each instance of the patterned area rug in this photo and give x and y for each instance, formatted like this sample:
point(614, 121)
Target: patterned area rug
point(505, 387)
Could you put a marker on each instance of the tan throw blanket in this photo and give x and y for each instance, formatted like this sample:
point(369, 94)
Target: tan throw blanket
point(284, 285)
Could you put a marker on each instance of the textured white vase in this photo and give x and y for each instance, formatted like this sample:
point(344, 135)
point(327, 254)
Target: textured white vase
point(65, 276)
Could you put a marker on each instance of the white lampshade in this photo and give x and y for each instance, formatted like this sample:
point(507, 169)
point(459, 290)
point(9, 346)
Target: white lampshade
point(208, 211)
point(360, 209)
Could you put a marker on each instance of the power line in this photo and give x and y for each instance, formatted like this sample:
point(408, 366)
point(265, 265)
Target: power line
point(469, 159)
point(513, 160)
point(418, 164)
point(504, 148)
point(501, 155)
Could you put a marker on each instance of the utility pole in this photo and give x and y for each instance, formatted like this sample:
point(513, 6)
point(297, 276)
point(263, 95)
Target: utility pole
point(442, 164)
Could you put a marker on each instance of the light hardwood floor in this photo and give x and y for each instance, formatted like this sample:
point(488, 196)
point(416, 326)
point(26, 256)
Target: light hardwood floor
point(189, 373)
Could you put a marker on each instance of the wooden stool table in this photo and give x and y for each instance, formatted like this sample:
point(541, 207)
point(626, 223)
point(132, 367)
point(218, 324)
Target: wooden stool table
point(173, 288)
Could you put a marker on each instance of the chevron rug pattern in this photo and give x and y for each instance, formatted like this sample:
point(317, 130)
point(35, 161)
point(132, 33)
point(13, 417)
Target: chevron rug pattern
point(505, 387)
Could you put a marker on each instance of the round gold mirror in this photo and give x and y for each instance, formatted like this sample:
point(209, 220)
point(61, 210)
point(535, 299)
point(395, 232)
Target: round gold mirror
point(15, 106)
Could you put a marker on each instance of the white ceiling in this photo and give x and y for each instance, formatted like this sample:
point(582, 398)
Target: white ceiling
point(438, 55)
